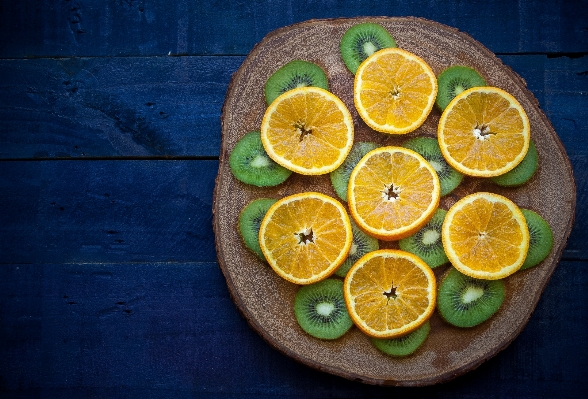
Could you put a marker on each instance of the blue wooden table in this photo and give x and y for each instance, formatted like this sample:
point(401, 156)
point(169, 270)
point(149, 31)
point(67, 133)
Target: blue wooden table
point(109, 145)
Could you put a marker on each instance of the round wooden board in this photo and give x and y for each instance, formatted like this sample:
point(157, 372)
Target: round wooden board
point(266, 300)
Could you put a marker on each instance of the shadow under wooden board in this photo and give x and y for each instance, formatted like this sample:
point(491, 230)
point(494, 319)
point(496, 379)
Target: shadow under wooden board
point(266, 300)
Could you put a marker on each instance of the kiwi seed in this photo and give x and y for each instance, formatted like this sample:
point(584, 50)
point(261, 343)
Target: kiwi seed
point(405, 345)
point(464, 301)
point(426, 243)
point(429, 149)
point(541, 240)
point(522, 172)
point(250, 163)
point(362, 40)
point(361, 245)
point(454, 80)
point(321, 311)
point(249, 221)
point(294, 74)
point(340, 176)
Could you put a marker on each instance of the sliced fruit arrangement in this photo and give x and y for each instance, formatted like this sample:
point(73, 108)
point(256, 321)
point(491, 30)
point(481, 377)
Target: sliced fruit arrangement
point(394, 91)
point(485, 236)
point(305, 237)
point(454, 80)
point(404, 345)
point(307, 130)
point(429, 148)
point(541, 239)
point(466, 301)
point(426, 243)
point(484, 132)
point(362, 40)
point(361, 245)
point(320, 309)
point(250, 163)
point(521, 173)
point(393, 192)
point(390, 293)
point(250, 220)
point(340, 176)
point(294, 74)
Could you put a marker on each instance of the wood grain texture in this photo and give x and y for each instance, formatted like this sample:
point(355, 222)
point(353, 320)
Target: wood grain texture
point(82, 328)
point(170, 106)
point(108, 107)
point(67, 28)
point(263, 297)
point(106, 211)
point(150, 330)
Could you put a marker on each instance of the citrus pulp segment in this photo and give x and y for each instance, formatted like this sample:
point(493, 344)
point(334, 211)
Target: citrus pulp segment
point(392, 192)
point(305, 237)
point(485, 236)
point(390, 293)
point(484, 132)
point(394, 91)
point(307, 130)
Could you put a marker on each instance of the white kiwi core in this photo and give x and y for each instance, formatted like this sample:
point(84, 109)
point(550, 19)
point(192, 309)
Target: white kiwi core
point(471, 294)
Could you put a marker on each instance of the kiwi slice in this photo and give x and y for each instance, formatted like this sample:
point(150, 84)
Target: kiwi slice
point(361, 245)
point(249, 221)
point(429, 149)
point(294, 74)
point(541, 239)
point(250, 163)
point(426, 243)
point(340, 176)
point(454, 80)
point(405, 345)
point(465, 301)
point(321, 311)
point(362, 40)
point(522, 172)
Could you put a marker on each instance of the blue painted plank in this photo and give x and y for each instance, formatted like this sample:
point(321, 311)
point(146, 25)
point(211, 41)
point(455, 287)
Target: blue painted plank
point(561, 86)
point(106, 211)
point(141, 27)
point(136, 211)
point(171, 330)
point(171, 106)
point(107, 107)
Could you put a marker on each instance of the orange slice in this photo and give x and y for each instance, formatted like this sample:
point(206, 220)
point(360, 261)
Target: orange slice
point(307, 130)
point(389, 293)
point(392, 192)
point(394, 91)
point(305, 237)
point(484, 132)
point(485, 236)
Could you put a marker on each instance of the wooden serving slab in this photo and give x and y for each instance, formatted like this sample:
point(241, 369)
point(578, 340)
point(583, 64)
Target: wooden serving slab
point(266, 300)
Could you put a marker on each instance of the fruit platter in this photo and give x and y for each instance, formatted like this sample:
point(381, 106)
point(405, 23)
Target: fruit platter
point(326, 80)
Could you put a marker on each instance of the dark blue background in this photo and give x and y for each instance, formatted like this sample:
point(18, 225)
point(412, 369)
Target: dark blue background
point(109, 144)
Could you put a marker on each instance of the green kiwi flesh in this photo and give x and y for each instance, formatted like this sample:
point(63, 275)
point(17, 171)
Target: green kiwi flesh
point(362, 40)
point(321, 311)
point(250, 220)
point(429, 149)
point(405, 345)
point(464, 301)
point(294, 74)
point(250, 163)
point(340, 176)
point(454, 80)
point(426, 243)
point(541, 239)
point(361, 245)
point(522, 172)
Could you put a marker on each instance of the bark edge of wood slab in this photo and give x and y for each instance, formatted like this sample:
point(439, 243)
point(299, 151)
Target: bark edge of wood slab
point(266, 300)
